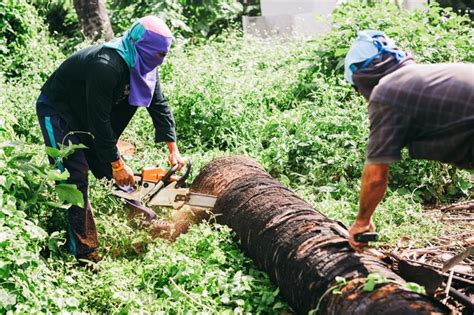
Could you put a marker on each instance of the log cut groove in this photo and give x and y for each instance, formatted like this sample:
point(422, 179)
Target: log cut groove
point(299, 247)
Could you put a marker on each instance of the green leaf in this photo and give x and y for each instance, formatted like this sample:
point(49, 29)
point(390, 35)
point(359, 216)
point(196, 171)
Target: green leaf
point(57, 175)
point(4, 270)
point(53, 152)
point(415, 287)
point(56, 205)
point(337, 291)
point(54, 242)
point(285, 180)
point(72, 302)
point(3, 237)
point(10, 144)
point(66, 150)
point(7, 298)
point(70, 194)
point(372, 280)
point(340, 52)
point(341, 280)
point(465, 186)
point(369, 285)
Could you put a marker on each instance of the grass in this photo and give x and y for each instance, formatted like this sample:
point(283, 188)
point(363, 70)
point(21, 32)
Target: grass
point(283, 103)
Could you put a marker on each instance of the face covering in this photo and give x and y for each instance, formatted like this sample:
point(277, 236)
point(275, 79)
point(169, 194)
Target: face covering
point(366, 79)
point(139, 47)
point(368, 47)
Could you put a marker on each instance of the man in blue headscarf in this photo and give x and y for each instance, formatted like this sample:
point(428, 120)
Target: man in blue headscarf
point(428, 108)
point(90, 99)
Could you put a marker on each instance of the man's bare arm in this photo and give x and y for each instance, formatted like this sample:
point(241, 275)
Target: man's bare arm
point(373, 187)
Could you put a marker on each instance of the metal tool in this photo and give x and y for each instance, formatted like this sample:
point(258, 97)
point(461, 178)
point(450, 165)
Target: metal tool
point(363, 237)
point(450, 263)
point(366, 237)
point(158, 187)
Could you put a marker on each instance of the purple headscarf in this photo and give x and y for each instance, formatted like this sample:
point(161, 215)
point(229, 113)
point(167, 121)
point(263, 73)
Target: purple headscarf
point(139, 47)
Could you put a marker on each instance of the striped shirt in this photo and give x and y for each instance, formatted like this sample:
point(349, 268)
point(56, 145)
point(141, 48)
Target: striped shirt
point(428, 108)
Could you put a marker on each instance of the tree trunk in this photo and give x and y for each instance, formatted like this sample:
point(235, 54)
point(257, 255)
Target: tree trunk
point(94, 20)
point(302, 251)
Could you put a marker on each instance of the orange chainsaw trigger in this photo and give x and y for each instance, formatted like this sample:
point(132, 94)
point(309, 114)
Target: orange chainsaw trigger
point(155, 174)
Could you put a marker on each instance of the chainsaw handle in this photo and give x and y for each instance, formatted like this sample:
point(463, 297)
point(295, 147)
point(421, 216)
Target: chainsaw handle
point(171, 171)
point(138, 178)
point(182, 180)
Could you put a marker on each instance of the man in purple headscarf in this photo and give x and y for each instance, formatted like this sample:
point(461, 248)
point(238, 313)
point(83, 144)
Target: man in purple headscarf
point(428, 108)
point(90, 99)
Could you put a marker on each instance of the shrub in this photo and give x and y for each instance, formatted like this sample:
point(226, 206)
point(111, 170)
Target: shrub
point(25, 49)
point(284, 103)
point(186, 17)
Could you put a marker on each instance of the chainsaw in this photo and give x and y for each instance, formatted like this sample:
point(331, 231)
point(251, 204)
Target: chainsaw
point(161, 188)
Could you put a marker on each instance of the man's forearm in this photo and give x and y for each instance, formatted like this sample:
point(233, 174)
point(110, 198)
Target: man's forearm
point(174, 157)
point(172, 146)
point(373, 187)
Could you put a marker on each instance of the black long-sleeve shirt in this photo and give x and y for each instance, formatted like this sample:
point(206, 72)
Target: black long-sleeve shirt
point(93, 84)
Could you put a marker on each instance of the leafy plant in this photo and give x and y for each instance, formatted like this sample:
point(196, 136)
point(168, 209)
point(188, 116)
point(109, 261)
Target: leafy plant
point(336, 289)
point(374, 279)
point(370, 282)
point(284, 103)
point(186, 17)
point(22, 44)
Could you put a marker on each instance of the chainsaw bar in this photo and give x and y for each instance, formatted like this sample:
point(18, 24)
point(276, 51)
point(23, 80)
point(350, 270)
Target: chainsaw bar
point(197, 200)
point(170, 196)
point(149, 194)
point(157, 188)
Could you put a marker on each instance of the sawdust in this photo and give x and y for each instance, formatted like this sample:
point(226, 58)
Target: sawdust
point(168, 230)
point(193, 215)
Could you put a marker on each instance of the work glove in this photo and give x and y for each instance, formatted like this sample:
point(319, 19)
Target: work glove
point(123, 175)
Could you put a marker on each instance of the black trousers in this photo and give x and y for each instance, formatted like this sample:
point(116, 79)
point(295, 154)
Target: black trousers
point(82, 233)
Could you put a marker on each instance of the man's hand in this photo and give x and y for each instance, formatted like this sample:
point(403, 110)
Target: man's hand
point(360, 227)
point(122, 174)
point(175, 157)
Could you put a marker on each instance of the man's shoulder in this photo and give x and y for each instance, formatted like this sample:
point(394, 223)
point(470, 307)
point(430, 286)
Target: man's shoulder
point(417, 80)
point(427, 73)
point(108, 57)
point(99, 56)
point(401, 77)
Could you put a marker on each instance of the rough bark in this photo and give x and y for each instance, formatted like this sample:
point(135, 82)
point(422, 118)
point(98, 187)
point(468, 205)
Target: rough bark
point(94, 19)
point(299, 247)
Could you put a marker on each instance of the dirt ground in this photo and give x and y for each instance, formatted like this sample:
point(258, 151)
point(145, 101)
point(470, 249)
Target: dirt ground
point(457, 237)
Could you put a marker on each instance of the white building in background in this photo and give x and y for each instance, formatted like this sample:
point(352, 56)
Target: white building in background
point(299, 18)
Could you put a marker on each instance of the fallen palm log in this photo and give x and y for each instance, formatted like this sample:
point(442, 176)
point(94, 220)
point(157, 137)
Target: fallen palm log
point(301, 250)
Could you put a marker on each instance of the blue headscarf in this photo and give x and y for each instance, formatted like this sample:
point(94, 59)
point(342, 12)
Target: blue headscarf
point(368, 46)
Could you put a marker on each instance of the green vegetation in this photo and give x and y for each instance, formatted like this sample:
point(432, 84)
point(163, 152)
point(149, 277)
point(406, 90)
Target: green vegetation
point(186, 17)
point(283, 103)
